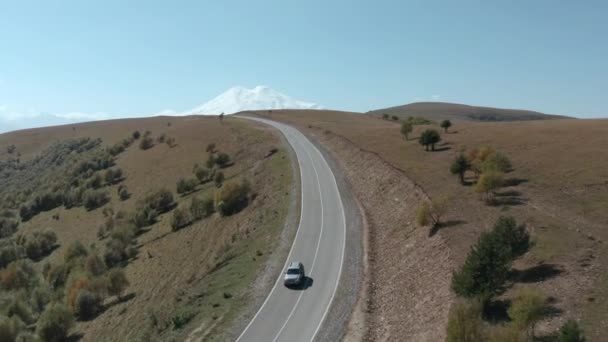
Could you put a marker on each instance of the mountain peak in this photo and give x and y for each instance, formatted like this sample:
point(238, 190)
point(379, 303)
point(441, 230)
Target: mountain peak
point(238, 99)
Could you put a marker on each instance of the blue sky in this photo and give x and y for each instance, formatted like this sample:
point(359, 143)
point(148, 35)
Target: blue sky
point(130, 58)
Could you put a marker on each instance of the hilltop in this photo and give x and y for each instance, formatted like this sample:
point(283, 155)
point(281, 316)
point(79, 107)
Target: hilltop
point(453, 111)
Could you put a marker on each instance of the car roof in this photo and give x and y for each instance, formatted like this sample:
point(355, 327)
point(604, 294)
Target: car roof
point(295, 264)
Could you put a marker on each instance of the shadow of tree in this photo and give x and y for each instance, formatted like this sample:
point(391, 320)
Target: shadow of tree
point(440, 149)
point(496, 311)
point(536, 274)
point(450, 223)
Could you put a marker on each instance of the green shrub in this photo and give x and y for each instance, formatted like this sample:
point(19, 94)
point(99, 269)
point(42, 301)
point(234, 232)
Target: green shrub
point(180, 219)
point(10, 328)
point(57, 275)
point(527, 308)
point(144, 216)
point(113, 176)
point(223, 160)
point(94, 182)
point(9, 252)
point(161, 138)
point(39, 244)
point(117, 282)
point(570, 332)
point(406, 129)
point(136, 135)
point(385, 116)
point(160, 200)
point(496, 162)
point(210, 163)
point(445, 124)
point(8, 227)
point(181, 319)
point(210, 148)
point(218, 179)
point(93, 199)
point(74, 251)
point(146, 143)
point(202, 174)
point(419, 121)
point(40, 297)
point(465, 322)
point(233, 198)
point(19, 275)
point(488, 183)
point(120, 247)
point(18, 308)
point(87, 305)
point(201, 207)
point(54, 324)
point(123, 192)
point(95, 265)
point(185, 186)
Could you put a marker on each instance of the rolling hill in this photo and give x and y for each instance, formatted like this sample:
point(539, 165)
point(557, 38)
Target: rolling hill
point(458, 112)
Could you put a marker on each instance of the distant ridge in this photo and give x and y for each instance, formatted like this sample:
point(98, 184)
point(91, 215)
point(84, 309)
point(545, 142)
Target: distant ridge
point(455, 111)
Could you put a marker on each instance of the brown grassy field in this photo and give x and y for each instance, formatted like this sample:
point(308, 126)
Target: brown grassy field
point(559, 188)
point(203, 272)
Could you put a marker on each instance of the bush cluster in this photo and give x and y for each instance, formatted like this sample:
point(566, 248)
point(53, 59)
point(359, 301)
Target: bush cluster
point(8, 227)
point(38, 244)
point(146, 141)
point(113, 176)
point(180, 219)
point(201, 208)
point(186, 186)
point(232, 198)
point(93, 199)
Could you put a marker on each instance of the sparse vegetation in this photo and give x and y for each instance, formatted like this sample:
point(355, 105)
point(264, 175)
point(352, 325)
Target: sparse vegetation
point(406, 129)
point(570, 332)
point(465, 322)
point(54, 323)
point(385, 116)
point(218, 179)
point(146, 141)
point(201, 207)
point(123, 192)
point(113, 176)
point(430, 213)
point(94, 199)
point(38, 244)
point(74, 251)
point(488, 183)
point(445, 124)
point(429, 137)
point(202, 174)
point(232, 198)
point(223, 160)
point(117, 282)
point(460, 166)
point(186, 186)
point(527, 308)
point(395, 118)
point(180, 219)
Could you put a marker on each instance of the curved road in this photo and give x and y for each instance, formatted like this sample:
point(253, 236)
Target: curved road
point(297, 315)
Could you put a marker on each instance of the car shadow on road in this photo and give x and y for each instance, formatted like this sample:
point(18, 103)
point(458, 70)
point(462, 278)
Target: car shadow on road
point(307, 283)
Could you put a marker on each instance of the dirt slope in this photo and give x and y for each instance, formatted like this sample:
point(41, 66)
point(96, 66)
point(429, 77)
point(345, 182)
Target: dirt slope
point(558, 188)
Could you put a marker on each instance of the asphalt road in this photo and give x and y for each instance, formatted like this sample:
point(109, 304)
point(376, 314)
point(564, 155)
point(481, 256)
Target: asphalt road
point(297, 314)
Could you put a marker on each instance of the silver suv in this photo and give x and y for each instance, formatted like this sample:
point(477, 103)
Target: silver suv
point(294, 276)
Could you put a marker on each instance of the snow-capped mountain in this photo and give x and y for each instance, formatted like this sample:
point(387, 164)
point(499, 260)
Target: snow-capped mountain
point(237, 99)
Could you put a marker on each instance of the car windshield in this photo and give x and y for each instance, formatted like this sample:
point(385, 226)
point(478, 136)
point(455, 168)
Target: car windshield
point(293, 271)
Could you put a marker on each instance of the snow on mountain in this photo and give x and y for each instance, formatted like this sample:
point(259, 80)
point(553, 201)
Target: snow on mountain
point(237, 99)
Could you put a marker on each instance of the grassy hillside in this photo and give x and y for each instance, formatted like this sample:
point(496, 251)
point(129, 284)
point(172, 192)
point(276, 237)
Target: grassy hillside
point(453, 111)
point(557, 187)
point(185, 268)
